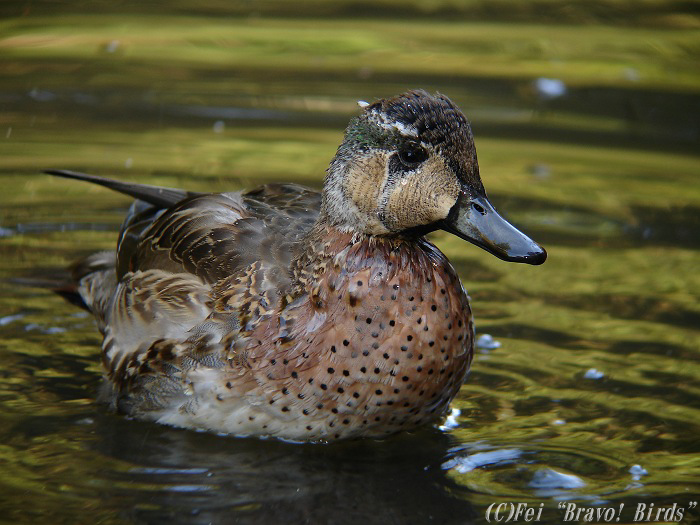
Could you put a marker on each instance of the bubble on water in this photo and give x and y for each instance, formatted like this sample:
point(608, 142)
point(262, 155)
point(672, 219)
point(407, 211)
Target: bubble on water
point(637, 472)
point(550, 87)
point(593, 373)
point(487, 342)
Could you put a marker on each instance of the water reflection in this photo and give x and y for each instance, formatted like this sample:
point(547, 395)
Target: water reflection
point(213, 98)
point(201, 478)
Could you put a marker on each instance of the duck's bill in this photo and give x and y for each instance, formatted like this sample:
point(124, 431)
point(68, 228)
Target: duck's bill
point(474, 219)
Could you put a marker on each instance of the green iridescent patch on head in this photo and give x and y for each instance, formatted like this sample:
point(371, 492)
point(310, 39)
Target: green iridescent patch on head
point(364, 133)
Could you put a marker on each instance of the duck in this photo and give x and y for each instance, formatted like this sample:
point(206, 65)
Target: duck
point(284, 312)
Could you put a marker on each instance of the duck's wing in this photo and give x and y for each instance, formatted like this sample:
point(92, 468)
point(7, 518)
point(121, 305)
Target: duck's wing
point(199, 274)
point(212, 236)
point(216, 236)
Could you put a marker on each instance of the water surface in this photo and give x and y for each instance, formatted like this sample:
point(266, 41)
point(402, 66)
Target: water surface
point(586, 121)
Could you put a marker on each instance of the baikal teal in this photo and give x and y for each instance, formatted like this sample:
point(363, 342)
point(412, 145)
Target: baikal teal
point(282, 312)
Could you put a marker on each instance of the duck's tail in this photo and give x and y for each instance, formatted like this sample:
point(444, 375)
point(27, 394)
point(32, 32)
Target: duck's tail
point(60, 282)
point(158, 196)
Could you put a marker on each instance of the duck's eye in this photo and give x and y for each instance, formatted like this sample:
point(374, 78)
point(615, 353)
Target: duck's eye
point(412, 154)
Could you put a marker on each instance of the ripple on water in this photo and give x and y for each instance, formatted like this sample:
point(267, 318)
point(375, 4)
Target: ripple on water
point(537, 472)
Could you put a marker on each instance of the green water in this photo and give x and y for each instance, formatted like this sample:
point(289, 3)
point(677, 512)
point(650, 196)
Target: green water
point(599, 365)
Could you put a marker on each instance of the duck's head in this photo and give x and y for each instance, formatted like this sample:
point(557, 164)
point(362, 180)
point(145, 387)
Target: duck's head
point(407, 166)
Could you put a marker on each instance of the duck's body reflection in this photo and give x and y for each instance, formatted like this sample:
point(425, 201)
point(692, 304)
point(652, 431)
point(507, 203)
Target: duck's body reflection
point(179, 476)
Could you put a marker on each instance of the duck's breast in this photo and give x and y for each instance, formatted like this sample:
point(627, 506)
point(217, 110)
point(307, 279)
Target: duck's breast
point(381, 342)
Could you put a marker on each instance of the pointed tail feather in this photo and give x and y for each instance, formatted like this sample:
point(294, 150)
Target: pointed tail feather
point(60, 284)
point(156, 195)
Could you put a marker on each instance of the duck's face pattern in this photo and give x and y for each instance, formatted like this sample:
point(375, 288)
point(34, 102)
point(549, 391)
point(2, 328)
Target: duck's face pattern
point(402, 165)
